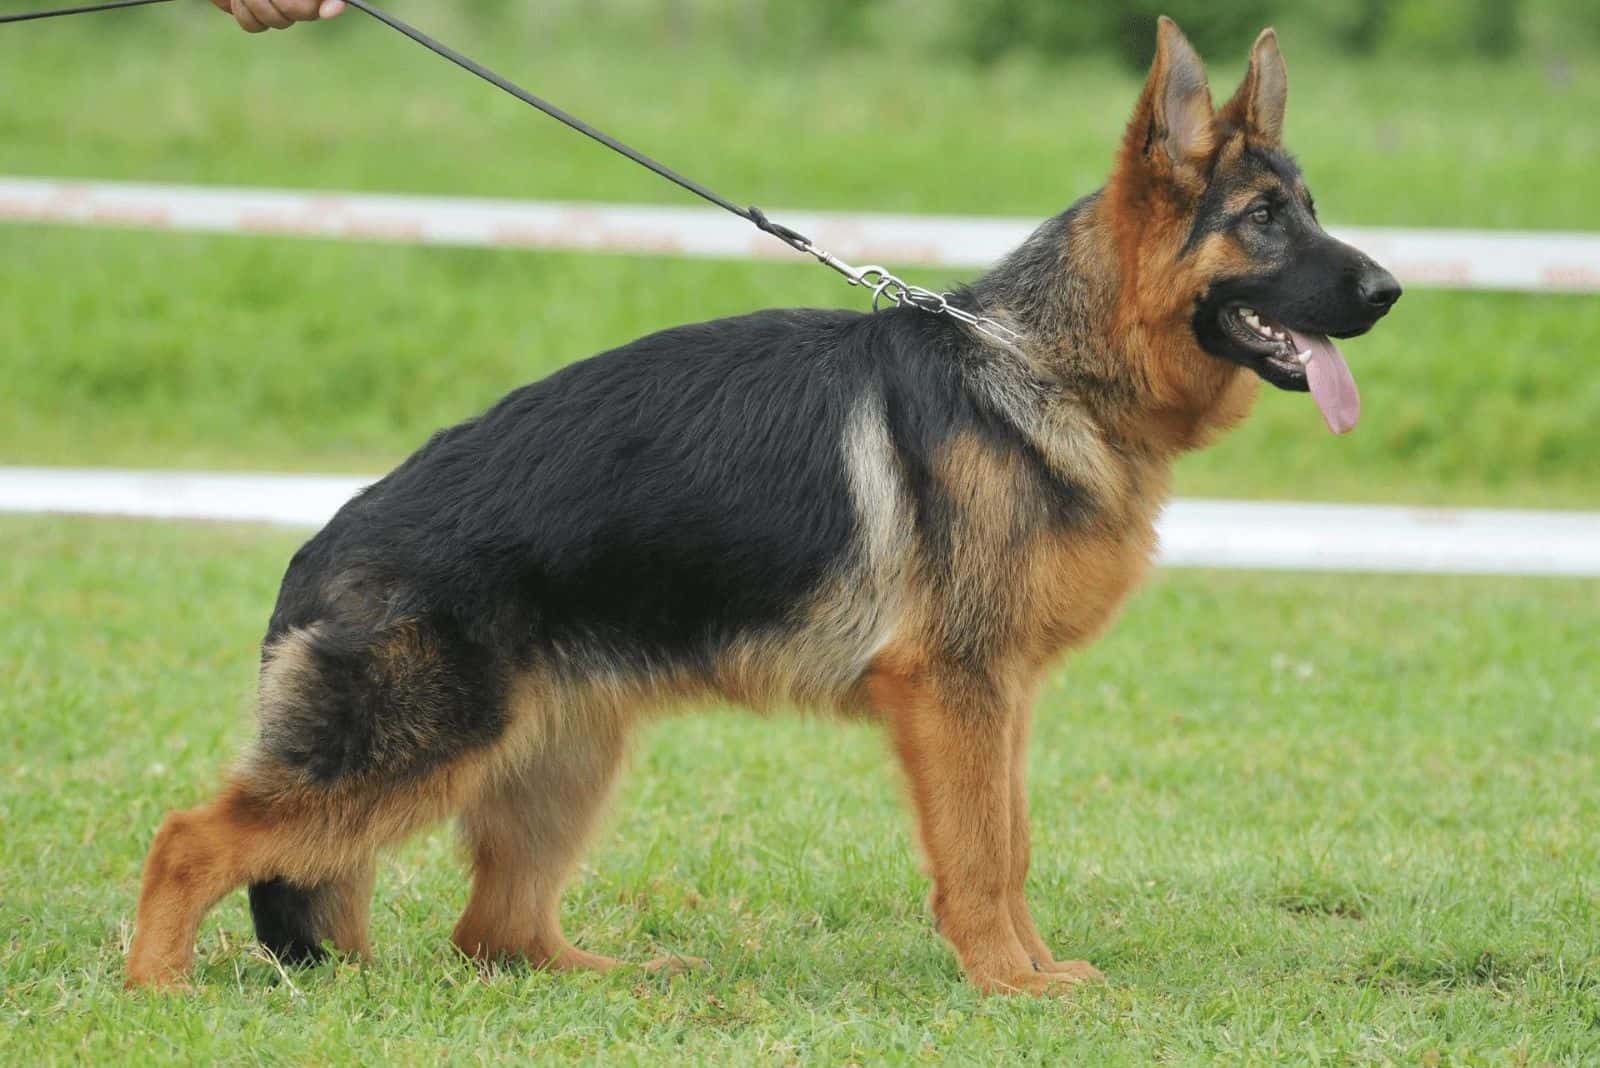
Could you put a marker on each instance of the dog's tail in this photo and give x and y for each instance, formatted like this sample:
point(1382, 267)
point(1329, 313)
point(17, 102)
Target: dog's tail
point(285, 919)
point(345, 708)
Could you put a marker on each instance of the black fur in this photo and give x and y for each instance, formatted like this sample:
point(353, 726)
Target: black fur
point(644, 500)
point(283, 920)
point(644, 506)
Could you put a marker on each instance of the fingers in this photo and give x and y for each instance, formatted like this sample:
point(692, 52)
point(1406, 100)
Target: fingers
point(254, 16)
point(263, 13)
point(246, 18)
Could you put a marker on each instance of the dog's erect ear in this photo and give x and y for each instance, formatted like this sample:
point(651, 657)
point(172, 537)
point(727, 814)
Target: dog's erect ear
point(1172, 126)
point(1257, 108)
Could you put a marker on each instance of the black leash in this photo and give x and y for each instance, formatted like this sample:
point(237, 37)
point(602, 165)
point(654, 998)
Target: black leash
point(84, 10)
point(876, 278)
point(752, 214)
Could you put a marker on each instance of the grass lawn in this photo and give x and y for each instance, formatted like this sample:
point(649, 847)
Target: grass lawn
point(1321, 819)
point(170, 351)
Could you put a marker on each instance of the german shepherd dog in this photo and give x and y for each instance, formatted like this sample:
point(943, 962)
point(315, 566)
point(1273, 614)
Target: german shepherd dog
point(888, 515)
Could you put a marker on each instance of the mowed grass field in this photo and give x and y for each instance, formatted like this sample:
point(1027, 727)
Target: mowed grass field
point(1295, 818)
point(1331, 818)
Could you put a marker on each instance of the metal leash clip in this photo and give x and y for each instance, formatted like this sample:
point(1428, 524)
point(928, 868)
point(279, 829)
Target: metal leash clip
point(885, 285)
point(902, 292)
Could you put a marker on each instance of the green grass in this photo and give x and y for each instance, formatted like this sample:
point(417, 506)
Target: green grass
point(1319, 819)
point(169, 350)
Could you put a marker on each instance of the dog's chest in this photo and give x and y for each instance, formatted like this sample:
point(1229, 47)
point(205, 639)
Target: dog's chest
point(1073, 583)
point(1027, 565)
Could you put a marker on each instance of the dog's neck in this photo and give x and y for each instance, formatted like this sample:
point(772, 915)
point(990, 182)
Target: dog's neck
point(1063, 289)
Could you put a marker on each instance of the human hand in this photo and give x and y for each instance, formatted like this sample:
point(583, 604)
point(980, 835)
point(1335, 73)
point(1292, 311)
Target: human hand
point(257, 15)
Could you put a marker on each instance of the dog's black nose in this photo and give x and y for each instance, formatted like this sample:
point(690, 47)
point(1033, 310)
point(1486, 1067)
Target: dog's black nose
point(1379, 288)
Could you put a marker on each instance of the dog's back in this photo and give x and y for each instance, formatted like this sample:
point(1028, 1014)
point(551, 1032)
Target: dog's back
point(632, 514)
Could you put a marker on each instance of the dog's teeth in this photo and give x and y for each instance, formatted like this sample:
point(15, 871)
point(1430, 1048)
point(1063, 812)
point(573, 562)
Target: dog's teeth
point(1303, 356)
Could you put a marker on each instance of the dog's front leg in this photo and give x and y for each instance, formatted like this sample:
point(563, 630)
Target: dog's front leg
point(1022, 851)
point(954, 736)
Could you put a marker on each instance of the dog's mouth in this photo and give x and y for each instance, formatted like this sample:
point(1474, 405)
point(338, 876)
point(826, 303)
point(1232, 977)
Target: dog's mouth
point(1295, 360)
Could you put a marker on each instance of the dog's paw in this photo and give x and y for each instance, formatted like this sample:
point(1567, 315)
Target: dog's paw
point(1040, 982)
point(163, 982)
point(1079, 970)
point(674, 964)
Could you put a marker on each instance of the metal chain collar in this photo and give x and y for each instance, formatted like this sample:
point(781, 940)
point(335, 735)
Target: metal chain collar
point(898, 291)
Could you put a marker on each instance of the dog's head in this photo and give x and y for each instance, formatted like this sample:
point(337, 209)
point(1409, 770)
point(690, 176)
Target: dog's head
point(1222, 256)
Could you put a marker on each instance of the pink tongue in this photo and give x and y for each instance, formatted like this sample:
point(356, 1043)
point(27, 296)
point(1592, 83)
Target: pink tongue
point(1332, 385)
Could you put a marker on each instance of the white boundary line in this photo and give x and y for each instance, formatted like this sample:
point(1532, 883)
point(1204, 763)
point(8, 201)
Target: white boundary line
point(1454, 259)
point(1194, 533)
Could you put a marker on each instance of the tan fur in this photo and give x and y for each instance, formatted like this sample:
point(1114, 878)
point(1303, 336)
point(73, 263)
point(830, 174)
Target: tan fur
point(1258, 106)
point(829, 640)
point(249, 834)
point(1189, 396)
point(956, 740)
point(558, 755)
point(524, 836)
point(343, 908)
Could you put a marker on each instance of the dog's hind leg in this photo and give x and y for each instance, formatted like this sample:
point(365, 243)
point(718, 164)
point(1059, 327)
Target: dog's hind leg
point(525, 837)
point(343, 909)
point(367, 735)
point(197, 857)
point(307, 853)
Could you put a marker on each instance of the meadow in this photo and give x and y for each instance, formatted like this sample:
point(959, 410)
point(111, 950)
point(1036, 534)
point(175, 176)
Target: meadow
point(1320, 818)
point(1304, 818)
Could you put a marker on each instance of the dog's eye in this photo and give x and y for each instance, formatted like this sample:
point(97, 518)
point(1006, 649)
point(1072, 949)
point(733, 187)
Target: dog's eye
point(1261, 216)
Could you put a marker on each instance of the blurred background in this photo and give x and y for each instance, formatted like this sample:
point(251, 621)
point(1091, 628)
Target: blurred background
point(224, 352)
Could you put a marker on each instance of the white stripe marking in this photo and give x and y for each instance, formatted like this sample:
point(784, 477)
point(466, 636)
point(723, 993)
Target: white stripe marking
point(1194, 533)
point(1451, 259)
